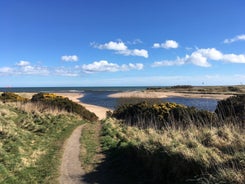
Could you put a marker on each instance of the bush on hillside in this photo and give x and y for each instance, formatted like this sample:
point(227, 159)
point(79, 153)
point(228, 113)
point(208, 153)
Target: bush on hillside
point(232, 108)
point(159, 115)
point(12, 97)
point(62, 103)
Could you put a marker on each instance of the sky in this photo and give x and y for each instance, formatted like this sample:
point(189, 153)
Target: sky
point(55, 43)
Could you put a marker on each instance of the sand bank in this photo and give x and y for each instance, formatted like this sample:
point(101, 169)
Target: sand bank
point(155, 94)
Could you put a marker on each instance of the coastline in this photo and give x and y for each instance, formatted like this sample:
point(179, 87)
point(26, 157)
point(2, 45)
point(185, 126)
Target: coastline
point(101, 111)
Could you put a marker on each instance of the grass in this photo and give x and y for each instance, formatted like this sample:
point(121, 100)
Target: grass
point(31, 142)
point(174, 155)
point(90, 146)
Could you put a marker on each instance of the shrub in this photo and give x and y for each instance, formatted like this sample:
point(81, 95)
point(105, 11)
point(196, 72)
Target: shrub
point(232, 108)
point(159, 115)
point(12, 97)
point(62, 103)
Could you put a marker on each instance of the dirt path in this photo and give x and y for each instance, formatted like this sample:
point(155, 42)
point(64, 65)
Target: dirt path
point(71, 170)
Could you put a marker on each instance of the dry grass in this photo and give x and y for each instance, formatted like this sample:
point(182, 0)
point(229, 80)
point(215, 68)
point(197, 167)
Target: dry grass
point(215, 153)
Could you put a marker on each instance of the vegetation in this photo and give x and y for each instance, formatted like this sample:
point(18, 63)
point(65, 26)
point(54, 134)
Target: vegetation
point(90, 146)
point(193, 155)
point(12, 97)
point(30, 143)
point(229, 90)
point(195, 152)
point(233, 107)
point(145, 115)
point(51, 100)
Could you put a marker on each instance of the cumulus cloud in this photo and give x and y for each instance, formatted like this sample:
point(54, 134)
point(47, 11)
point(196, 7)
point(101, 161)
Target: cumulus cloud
point(105, 66)
point(26, 68)
point(201, 57)
point(168, 44)
point(121, 48)
point(68, 72)
point(235, 39)
point(34, 70)
point(118, 46)
point(23, 63)
point(71, 58)
point(6, 71)
point(134, 52)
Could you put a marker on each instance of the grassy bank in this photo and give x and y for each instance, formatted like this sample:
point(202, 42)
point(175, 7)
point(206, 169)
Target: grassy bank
point(170, 143)
point(173, 155)
point(31, 139)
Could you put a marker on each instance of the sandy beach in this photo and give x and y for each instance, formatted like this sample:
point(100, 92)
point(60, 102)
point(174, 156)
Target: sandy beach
point(98, 110)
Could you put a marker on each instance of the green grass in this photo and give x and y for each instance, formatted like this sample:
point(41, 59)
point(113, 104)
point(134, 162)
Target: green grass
point(90, 146)
point(31, 142)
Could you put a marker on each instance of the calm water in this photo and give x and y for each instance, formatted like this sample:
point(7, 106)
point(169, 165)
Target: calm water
point(99, 96)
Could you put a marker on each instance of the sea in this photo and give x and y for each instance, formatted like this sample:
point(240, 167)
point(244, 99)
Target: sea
point(99, 95)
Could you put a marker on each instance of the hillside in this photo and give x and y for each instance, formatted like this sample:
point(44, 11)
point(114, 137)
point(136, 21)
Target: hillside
point(31, 138)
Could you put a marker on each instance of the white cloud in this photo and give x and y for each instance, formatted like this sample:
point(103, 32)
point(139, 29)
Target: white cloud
point(235, 39)
point(34, 70)
point(135, 52)
point(23, 63)
point(200, 58)
point(212, 53)
point(105, 66)
point(71, 58)
point(168, 44)
point(156, 45)
point(69, 72)
point(233, 58)
point(117, 46)
point(121, 48)
point(6, 71)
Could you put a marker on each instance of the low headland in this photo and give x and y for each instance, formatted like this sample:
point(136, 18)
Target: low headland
point(187, 91)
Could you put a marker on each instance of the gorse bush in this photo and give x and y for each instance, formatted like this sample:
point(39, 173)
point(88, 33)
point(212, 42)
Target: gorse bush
point(160, 115)
point(12, 97)
point(63, 103)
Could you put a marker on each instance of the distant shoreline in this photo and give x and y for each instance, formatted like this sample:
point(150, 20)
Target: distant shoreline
point(156, 94)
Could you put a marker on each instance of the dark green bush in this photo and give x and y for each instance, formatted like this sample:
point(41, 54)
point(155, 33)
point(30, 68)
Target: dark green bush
point(232, 108)
point(62, 103)
point(12, 97)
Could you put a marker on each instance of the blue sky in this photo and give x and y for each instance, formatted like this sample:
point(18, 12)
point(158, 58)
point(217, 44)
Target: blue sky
point(121, 43)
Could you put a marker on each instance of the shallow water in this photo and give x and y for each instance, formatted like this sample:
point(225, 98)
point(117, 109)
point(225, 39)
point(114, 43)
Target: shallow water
point(101, 98)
